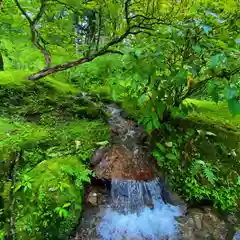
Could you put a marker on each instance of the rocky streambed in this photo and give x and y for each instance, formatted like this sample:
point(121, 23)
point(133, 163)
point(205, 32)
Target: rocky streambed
point(128, 160)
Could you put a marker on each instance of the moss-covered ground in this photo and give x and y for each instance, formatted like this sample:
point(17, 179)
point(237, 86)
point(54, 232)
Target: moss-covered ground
point(56, 133)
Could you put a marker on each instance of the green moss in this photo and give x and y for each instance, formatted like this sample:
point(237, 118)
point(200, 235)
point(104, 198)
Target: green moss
point(212, 113)
point(86, 133)
point(103, 93)
point(52, 187)
point(17, 78)
point(15, 134)
point(36, 99)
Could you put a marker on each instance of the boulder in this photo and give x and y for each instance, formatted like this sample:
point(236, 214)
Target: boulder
point(121, 163)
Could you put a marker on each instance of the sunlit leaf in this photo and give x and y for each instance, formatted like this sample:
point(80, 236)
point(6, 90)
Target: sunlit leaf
point(171, 156)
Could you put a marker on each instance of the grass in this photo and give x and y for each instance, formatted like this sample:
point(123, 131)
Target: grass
point(211, 113)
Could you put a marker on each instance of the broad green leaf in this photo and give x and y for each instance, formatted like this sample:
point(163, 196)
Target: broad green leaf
point(217, 59)
point(157, 155)
point(197, 49)
point(234, 107)
point(161, 147)
point(66, 205)
point(138, 52)
point(230, 93)
point(156, 123)
point(181, 77)
point(171, 156)
point(238, 180)
point(149, 126)
point(214, 60)
point(143, 98)
point(103, 143)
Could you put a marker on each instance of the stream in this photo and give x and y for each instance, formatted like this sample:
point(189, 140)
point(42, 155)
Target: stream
point(137, 205)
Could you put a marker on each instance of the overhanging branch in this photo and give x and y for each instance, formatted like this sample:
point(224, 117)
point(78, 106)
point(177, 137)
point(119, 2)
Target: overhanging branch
point(35, 36)
point(131, 29)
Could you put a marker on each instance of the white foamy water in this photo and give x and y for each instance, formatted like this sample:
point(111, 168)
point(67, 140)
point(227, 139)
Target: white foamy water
point(128, 217)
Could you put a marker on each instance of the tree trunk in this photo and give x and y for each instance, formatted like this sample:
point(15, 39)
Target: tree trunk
point(1, 63)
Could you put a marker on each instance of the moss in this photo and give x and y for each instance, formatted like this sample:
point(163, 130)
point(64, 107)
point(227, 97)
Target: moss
point(209, 112)
point(21, 97)
point(18, 133)
point(85, 132)
point(101, 92)
point(55, 184)
point(17, 78)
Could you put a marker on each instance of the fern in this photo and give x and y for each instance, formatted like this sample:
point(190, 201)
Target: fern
point(200, 166)
point(209, 174)
point(196, 167)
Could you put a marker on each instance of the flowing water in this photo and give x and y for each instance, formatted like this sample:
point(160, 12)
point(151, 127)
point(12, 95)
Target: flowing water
point(137, 211)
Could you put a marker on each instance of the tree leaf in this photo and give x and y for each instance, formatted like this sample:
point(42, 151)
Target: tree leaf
point(161, 147)
point(197, 48)
point(171, 156)
point(238, 180)
point(142, 99)
point(138, 52)
point(66, 205)
point(234, 107)
point(230, 93)
point(214, 60)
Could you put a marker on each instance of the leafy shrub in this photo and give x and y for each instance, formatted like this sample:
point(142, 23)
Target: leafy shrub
point(199, 165)
point(49, 198)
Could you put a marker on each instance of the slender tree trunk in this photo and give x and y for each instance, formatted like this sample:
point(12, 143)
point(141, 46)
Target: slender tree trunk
point(1, 63)
point(16, 157)
point(76, 27)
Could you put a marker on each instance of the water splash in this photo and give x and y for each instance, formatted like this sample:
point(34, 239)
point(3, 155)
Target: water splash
point(138, 212)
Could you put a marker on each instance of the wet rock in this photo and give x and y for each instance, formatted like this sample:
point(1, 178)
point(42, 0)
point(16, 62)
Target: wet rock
point(202, 224)
point(98, 156)
point(121, 163)
point(93, 198)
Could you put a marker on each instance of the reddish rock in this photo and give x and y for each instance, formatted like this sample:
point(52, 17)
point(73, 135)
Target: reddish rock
point(121, 163)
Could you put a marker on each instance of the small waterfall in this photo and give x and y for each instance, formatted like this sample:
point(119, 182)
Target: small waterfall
point(138, 212)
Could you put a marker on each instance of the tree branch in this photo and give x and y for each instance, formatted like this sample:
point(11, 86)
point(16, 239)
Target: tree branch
point(130, 30)
point(35, 36)
point(127, 2)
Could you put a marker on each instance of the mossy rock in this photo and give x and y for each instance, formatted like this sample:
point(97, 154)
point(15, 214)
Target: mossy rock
point(15, 134)
point(21, 97)
point(86, 133)
point(53, 203)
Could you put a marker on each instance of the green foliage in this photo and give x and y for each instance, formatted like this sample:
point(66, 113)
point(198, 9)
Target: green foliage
point(199, 164)
point(49, 194)
point(46, 187)
point(170, 51)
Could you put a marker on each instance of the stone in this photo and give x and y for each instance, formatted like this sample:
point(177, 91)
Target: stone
point(93, 198)
point(198, 221)
point(204, 224)
point(121, 163)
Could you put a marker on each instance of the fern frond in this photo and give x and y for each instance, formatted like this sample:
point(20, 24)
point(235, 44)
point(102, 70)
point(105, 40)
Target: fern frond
point(209, 174)
point(197, 166)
